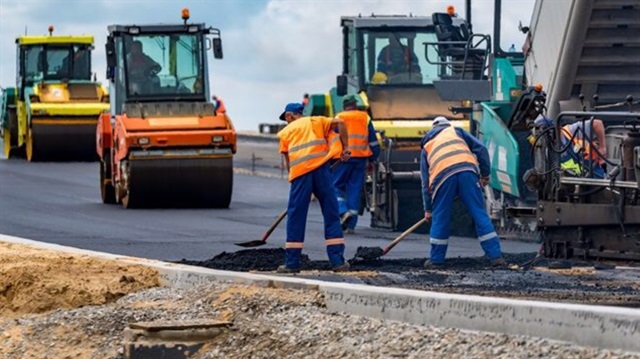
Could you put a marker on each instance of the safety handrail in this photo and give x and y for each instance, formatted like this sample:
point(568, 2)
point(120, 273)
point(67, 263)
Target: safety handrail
point(467, 45)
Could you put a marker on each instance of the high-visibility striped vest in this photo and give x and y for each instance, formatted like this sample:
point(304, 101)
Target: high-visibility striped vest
point(357, 123)
point(308, 143)
point(447, 149)
point(579, 144)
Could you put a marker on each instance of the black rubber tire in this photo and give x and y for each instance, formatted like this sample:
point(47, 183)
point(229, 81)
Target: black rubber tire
point(107, 191)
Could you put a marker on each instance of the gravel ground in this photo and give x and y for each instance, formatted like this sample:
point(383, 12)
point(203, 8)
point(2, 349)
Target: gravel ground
point(267, 323)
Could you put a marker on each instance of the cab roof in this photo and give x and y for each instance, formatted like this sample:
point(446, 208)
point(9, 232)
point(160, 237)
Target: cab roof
point(157, 28)
point(374, 21)
point(54, 39)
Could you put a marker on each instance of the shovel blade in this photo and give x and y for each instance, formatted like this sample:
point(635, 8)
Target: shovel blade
point(251, 244)
point(369, 252)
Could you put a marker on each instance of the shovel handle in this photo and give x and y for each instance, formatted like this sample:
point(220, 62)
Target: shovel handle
point(274, 225)
point(404, 235)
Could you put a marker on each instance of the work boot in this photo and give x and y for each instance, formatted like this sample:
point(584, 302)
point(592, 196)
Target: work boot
point(345, 267)
point(498, 263)
point(285, 270)
point(430, 265)
point(345, 219)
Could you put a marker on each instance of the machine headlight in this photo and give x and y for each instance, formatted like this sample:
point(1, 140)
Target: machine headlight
point(217, 139)
point(134, 30)
point(143, 141)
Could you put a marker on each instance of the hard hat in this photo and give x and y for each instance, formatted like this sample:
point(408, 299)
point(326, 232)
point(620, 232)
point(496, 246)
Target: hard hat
point(350, 99)
point(441, 121)
point(379, 78)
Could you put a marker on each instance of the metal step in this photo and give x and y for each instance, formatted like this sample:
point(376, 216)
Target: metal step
point(606, 37)
point(615, 4)
point(615, 17)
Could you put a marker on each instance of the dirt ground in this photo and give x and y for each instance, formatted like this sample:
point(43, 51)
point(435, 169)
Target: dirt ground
point(37, 281)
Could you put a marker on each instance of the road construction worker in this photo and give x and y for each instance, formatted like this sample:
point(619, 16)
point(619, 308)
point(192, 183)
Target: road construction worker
point(348, 177)
point(398, 62)
point(306, 145)
point(579, 157)
point(454, 163)
point(218, 104)
point(143, 70)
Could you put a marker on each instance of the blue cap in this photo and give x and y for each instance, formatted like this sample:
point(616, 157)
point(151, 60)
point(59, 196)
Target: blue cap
point(293, 107)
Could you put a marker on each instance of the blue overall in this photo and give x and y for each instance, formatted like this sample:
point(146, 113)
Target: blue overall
point(457, 180)
point(318, 182)
point(464, 184)
point(348, 180)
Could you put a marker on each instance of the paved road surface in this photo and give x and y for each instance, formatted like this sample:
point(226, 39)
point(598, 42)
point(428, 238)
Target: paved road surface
point(60, 203)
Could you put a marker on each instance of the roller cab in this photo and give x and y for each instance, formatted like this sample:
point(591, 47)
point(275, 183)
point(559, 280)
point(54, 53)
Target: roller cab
point(51, 113)
point(163, 144)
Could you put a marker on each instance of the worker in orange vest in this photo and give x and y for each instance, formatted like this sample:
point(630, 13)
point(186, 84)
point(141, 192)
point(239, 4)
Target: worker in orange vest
point(218, 104)
point(454, 163)
point(348, 178)
point(306, 143)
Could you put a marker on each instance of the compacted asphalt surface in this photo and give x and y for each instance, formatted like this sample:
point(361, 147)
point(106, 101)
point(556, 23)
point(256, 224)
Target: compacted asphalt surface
point(60, 203)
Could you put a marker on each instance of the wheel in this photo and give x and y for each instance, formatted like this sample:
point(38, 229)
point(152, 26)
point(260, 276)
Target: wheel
point(31, 156)
point(107, 191)
point(6, 138)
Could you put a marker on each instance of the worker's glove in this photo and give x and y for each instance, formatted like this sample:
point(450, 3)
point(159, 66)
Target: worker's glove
point(427, 216)
point(345, 155)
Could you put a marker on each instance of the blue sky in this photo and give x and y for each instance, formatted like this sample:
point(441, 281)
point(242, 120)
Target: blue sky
point(275, 50)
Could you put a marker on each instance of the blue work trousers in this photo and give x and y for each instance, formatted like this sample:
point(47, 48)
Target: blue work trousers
point(464, 184)
point(319, 183)
point(348, 179)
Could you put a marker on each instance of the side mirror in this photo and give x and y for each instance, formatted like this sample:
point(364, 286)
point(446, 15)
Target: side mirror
point(341, 85)
point(217, 48)
point(110, 50)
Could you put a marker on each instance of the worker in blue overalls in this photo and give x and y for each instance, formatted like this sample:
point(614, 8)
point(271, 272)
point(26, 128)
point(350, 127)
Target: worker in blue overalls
point(307, 146)
point(454, 163)
point(348, 177)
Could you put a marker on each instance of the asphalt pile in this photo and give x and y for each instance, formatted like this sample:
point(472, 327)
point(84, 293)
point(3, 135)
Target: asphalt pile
point(579, 283)
point(268, 259)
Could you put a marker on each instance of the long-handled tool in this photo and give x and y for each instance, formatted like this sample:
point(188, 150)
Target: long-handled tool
point(369, 253)
point(274, 225)
point(265, 236)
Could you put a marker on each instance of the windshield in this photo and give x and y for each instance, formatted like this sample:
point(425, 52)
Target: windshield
point(397, 57)
point(164, 65)
point(56, 62)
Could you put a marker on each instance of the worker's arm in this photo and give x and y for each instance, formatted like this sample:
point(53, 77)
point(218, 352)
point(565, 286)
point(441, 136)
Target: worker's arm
point(344, 137)
point(424, 176)
point(598, 129)
point(479, 150)
point(284, 150)
point(286, 160)
point(373, 142)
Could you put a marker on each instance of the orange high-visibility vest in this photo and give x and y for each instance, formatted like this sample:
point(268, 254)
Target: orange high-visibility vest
point(579, 144)
point(357, 123)
point(447, 149)
point(308, 142)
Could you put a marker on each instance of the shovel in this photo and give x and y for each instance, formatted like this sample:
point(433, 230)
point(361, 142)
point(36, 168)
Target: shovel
point(265, 236)
point(370, 253)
